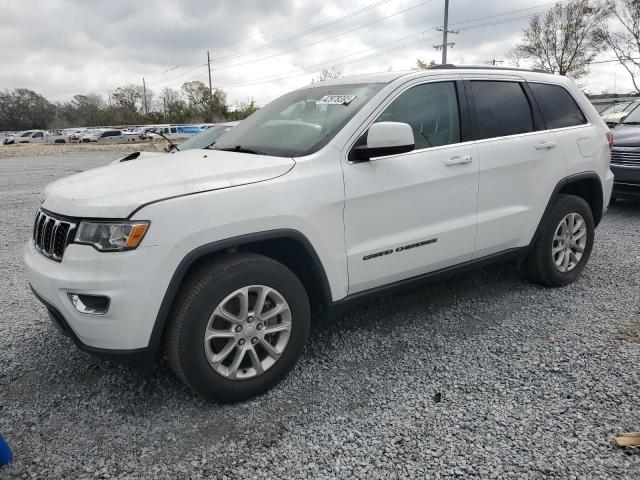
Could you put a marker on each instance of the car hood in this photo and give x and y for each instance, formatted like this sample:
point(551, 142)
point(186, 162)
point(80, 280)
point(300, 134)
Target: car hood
point(115, 191)
point(626, 136)
point(138, 156)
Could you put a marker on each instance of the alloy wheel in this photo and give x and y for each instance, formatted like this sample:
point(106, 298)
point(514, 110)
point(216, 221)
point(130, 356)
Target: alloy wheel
point(569, 242)
point(247, 332)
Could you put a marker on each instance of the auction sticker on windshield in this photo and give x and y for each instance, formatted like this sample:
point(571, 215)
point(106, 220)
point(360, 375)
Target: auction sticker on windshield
point(336, 100)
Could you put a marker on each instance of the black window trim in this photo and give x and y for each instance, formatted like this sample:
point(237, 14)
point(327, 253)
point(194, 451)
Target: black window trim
point(464, 114)
point(544, 123)
point(535, 111)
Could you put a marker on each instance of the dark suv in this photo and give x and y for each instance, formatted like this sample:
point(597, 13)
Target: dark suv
point(625, 157)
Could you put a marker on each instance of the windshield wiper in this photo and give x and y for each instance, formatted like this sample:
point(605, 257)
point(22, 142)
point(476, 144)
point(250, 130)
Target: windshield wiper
point(240, 149)
point(630, 123)
point(157, 132)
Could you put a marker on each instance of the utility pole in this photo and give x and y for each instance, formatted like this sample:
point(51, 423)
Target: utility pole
point(209, 69)
point(210, 87)
point(445, 34)
point(144, 93)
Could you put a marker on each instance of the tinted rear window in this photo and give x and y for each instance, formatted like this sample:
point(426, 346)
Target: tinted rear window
point(558, 107)
point(502, 109)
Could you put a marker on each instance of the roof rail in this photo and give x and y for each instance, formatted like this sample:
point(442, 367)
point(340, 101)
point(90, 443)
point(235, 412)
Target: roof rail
point(451, 66)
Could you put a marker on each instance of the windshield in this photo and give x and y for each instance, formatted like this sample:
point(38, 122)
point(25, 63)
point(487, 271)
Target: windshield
point(616, 107)
point(300, 122)
point(633, 118)
point(205, 139)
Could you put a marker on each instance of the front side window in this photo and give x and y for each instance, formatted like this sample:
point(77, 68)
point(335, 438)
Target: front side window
point(300, 122)
point(502, 109)
point(557, 106)
point(431, 109)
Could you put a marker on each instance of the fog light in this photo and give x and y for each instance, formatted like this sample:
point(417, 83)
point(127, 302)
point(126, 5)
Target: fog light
point(92, 304)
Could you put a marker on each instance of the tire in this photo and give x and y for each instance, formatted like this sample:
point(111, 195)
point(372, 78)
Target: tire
point(540, 264)
point(196, 310)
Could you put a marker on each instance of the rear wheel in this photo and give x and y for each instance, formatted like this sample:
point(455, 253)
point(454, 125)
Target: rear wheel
point(238, 327)
point(564, 245)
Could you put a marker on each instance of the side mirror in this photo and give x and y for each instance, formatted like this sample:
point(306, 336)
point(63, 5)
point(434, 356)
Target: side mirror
point(384, 138)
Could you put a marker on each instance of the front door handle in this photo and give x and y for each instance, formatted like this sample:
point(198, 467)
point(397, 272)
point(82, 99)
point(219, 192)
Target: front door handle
point(458, 161)
point(546, 145)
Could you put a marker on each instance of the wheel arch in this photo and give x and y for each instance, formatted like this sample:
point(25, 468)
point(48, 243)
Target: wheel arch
point(586, 185)
point(289, 247)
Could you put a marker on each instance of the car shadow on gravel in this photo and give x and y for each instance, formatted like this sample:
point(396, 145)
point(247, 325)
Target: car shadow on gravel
point(381, 320)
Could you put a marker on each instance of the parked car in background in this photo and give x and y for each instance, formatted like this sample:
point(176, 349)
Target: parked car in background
point(28, 136)
point(205, 139)
point(103, 135)
point(176, 131)
point(328, 195)
point(613, 115)
point(625, 157)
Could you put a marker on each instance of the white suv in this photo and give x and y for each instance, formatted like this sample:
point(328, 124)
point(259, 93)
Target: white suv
point(328, 194)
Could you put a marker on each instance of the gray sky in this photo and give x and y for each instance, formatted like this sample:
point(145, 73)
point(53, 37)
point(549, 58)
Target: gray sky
point(260, 48)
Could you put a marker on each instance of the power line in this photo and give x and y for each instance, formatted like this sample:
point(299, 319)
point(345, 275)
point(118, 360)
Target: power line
point(283, 40)
point(280, 76)
point(303, 33)
point(326, 38)
point(472, 27)
point(504, 13)
point(310, 68)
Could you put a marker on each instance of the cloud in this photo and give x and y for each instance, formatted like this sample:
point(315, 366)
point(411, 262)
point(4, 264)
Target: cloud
point(259, 48)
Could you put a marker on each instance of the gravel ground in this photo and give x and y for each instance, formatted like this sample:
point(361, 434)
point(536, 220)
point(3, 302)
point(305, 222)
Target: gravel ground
point(36, 150)
point(482, 375)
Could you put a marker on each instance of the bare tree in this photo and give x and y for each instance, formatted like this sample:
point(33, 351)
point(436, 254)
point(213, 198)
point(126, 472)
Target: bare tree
point(625, 42)
point(210, 106)
point(329, 74)
point(566, 39)
point(514, 57)
point(422, 65)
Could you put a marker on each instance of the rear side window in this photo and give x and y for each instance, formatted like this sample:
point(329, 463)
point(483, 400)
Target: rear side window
point(558, 107)
point(502, 109)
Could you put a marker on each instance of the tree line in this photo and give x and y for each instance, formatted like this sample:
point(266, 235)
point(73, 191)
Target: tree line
point(24, 109)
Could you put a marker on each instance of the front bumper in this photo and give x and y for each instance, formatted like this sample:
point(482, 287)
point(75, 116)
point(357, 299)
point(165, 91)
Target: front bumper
point(132, 280)
point(135, 357)
point(626, 180)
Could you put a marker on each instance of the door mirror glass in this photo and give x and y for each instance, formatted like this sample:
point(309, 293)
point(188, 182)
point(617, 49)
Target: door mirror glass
point(382, 139)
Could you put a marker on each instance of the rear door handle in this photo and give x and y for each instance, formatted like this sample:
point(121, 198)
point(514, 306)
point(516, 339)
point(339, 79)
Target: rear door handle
point(546, 145)
point(458, 161)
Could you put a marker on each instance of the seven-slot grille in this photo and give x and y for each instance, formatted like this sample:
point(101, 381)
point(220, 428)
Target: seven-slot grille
point(52, 234)
point(625, 156)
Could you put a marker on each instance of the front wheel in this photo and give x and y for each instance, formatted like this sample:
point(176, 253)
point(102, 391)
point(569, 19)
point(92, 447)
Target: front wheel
point(564, 245)
point(238, 327)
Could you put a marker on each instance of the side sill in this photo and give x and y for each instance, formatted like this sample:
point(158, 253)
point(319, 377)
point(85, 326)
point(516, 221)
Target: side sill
point(338, 307)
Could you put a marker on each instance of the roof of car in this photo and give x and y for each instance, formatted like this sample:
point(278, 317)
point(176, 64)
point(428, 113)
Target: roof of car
point(387, 77)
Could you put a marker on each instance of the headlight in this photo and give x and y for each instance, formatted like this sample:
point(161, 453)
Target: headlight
point(111, 236)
